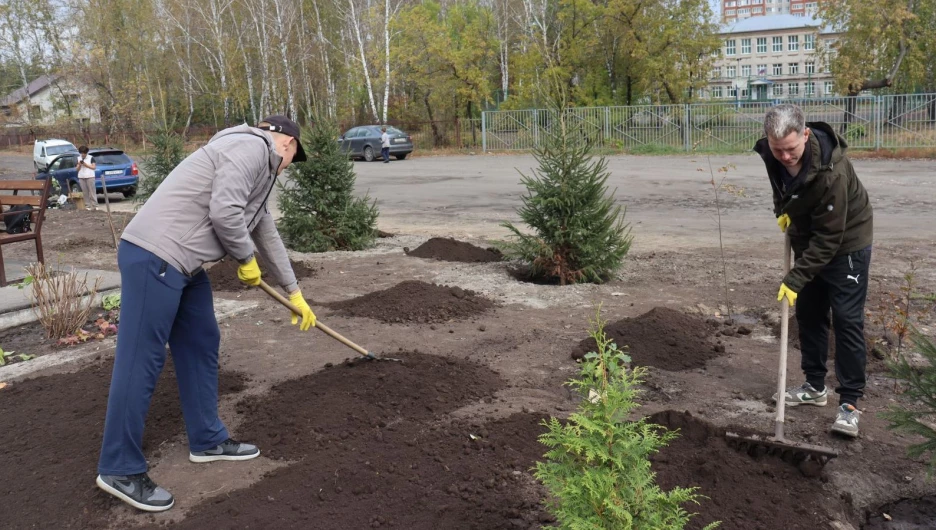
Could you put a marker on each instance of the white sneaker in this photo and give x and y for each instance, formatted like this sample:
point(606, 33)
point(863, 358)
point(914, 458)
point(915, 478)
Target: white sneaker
point(846, 421)
point(805, 395)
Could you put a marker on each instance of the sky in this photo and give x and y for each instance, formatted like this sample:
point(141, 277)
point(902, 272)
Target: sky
point(716, 5)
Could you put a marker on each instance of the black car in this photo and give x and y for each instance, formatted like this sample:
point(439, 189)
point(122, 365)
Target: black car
point(364, 142)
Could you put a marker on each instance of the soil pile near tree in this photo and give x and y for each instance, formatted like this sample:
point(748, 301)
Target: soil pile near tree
point(415, 301)
point(448, 249)
point(375, 450)
point(743, 493)
point(223, 274)
point(54, 426)
point(661, 338)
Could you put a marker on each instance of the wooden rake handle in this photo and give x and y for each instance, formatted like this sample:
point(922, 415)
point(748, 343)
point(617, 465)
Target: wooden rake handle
point(318, 323)
point(784, 344)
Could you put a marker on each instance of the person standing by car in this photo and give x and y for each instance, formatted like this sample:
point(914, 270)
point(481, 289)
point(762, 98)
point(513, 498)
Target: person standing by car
point(385, 145)
point(212, 205)
point(825, 211)
point(86, 167)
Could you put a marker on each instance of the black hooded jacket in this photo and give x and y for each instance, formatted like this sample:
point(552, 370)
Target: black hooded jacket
point(830, 213)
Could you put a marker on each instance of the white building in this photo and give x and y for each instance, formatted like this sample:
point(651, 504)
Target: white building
point(774, 57)
point(733, 10)
point(52, 99)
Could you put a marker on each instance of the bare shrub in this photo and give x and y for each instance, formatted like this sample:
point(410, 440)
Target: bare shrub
point(58, 299)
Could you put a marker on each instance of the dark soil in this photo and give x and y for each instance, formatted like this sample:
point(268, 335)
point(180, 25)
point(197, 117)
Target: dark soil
point(662, 338)
point(415, 301)
point(375, 450)
point(223, 274)
point(447, 249)
point(743, 492)
point(50, 431)
point(908, 514)
point(31, 339)
point(84, 243)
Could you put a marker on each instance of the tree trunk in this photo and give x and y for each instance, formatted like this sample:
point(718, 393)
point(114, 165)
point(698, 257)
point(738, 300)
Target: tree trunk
point(356, 26)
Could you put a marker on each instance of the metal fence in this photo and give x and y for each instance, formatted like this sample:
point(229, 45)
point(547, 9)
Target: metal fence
point(900, 121)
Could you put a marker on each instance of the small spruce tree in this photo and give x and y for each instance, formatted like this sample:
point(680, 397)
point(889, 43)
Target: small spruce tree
point(597, 470)
point(320, 211)
point(168, 152)
point(916, 414)
point(579, 231)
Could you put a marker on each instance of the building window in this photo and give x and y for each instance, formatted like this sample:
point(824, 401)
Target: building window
point(745, 93)
point(777, 44)
point(744, 11)
point(793, 43)
point(716, 92)
point(35, 112)
point(757, 10)
point(745, 3)
point(777, 90)
point(810, 67)
point(730, 71)
point(730, 4)
point(809, 42)
point(732, 92)
point(828, 89)
point(794, 68)
point(745, 45)
point(745, 70)
point(716, 72)
point(762, 69)
point(810, 88)
point(793, 89)
point(761, 44)
point(730, 47)
point(729, 12)
point(778, 69)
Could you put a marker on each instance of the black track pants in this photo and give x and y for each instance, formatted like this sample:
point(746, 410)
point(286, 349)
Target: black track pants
point(842, 287)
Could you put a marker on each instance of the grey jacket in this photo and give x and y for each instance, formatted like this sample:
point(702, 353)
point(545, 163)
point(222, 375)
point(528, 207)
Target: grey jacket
point(214, 204)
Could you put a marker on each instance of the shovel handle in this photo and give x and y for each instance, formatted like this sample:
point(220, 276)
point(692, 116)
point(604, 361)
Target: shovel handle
point(784, 342)
point(318, 324)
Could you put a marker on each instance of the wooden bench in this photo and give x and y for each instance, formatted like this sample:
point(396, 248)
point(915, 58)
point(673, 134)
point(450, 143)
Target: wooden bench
point(37, 197)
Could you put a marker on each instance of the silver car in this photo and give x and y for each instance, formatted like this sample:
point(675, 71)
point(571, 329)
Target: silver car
point(364, 142)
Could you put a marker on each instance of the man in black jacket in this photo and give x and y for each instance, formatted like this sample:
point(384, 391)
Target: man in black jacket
point(824, 210)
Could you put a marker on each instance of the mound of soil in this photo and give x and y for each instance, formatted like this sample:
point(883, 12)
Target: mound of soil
point(50, 431)
point(415, 301)
point(374, 451)
point(743, 492)
point(223, 274)
point(84, 243)
point(447, 249)
point(662, 338)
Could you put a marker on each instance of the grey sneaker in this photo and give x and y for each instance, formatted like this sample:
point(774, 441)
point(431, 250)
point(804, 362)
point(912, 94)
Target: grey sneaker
point(138, 491)
point(227, 450)
point(805, 395)
point(846, 421)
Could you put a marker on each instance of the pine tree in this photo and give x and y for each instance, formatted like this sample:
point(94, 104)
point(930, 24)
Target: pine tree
point(168, 152)
point(579, 231)
point(320, 211)
point(597, 470)
point(921, 392)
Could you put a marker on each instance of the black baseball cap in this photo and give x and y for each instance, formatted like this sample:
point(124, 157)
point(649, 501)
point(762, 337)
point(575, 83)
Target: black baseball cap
point(284, 125)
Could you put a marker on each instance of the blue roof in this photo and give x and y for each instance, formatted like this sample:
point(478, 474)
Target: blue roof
point(773, 22)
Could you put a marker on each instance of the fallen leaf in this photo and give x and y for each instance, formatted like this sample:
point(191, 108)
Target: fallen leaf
point(2, 386)
point(888, 517)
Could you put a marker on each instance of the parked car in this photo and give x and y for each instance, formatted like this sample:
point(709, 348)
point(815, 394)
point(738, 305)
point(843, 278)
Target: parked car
point(113, 165)
point(45, 150)
point(364, 142)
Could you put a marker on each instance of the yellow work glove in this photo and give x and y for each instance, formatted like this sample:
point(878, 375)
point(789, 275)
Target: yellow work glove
point(308, 317)
point(249, 273)
point(783, 222)
point(786, 292)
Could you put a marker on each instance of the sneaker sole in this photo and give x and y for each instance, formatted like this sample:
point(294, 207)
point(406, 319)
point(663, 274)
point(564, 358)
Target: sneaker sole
point(136, 504)
point(817, 403)
point(199, 459)
point(844, 431)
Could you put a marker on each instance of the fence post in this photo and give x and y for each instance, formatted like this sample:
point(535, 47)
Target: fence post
point(687, 126)
point(536, 128)
point(483, 132)
point(607, 127)
point(878, 121)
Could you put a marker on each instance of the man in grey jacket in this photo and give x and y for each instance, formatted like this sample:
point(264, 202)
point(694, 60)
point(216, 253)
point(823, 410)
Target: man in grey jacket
point(214, 204)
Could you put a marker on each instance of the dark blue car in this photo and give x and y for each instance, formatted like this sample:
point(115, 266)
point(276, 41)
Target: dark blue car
point(117, 169)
